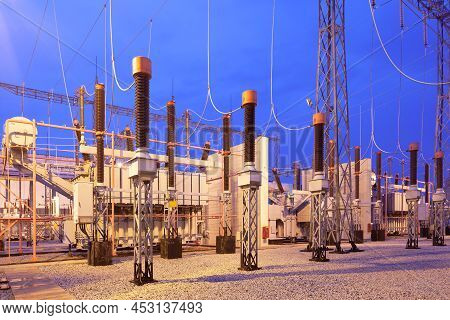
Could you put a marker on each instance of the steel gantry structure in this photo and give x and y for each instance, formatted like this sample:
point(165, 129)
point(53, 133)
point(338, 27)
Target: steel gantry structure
point(439, 10)
point(332, 99)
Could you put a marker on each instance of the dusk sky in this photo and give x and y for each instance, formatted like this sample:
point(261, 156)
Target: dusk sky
point(240, 60)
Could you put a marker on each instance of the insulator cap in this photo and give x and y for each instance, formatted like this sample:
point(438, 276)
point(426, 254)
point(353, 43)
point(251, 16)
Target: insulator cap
point(76, 123)
point(142, 65)
point(414, 146)
point(357, 147)
point(319, 118)
point(439, 154)
point(170, 103)
point(249, 96)
point(99, 86)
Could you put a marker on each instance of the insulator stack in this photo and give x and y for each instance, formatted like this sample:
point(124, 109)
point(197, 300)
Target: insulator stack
point(81, 104)
point(396, 179)
point(378, 175)
point(297, 177)
point(249, 101)
point(318, 122)
point(129, 140)
point(413, 150)
point(331, 146)
point(439, 164)
point(357, 170)
point(100, 129)
point(277, 180)
point(76, 124)
point(427, 182)
point(373, 3)
point(142, 74)
point(206, 150)
point(171, 141)
point(406, 181)
point(226, 152)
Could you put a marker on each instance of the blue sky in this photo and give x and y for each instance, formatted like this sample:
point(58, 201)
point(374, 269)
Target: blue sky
point(240, 59)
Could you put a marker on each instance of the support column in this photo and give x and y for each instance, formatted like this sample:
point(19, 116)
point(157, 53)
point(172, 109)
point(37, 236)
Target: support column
point(439, 202)
point(412, 198)
point(142, 171)
point(318, 187)
point(249, 180)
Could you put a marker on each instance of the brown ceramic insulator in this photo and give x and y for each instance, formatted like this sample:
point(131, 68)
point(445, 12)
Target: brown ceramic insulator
point(406, 181)
point(226, 152)
point(277, 180)
point(206, 150)
point(357, 170)
point(378, 175)
point(171, 142)
point(249, 123)
point(413, 150)
point(142, 75)
point(129, 141)
point(297, 177)
point(318, 122)
point(396, 179)
point(100, 128)
point(76, 124)
point(331, 155)
point(427, 182)
point(439, 165)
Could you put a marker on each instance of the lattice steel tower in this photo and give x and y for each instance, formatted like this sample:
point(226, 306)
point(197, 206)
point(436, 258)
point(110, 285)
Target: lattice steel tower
point(331, 99)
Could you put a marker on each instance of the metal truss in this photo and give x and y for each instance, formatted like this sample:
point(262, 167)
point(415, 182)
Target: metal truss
point(249, 237)
point(100, 217)
point(332, 99)
point(143, 230)
point(413, 224)
point(319, 226)
point(438, 208)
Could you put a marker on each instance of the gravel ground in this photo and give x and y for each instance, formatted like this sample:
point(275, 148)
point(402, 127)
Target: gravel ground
point(42, 257)
point(385, 270)
point(5, 294)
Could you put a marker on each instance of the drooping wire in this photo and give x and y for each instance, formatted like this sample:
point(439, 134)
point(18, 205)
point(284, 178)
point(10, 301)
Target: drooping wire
point(61, 61)
point(203, 118)
point(86, 91)
point(399, 102)
point(272, 104)
point(36, 42)
point(209, 67)
point(392, 61)
point(128, 87)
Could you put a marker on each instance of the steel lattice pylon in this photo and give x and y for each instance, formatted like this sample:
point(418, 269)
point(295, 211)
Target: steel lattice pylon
point(249, 247)
point(332, 99)
point(143, 229)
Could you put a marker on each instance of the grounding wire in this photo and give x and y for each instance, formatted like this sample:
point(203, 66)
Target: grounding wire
point(392, 62)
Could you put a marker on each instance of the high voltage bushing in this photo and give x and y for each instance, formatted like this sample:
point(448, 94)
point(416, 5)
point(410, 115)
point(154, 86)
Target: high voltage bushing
point(357, 170)
point(413, 149)
point(170, 106)
point(412, 198)
point(129, 140)
point(378, 164)
point(249, 180)
point(439, 164)
point(76, 124)
point(277, 180)
point(142, 74)
point(226, 152)
point(100, 129)
point(319, 123)
point(297, 176)
point(396, 179)
point(249, 103)
point(205, 154)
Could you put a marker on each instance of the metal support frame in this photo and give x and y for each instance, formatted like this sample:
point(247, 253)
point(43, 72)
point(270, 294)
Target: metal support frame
point(143, 230)
point(249, 235)
point(226, 214)
point(412, 198)
point(332, 99)
point(100, 217)
point(171, 215)
point(319, 221)
point(438, 213)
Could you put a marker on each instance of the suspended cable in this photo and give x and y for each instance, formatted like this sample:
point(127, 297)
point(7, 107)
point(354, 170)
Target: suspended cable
point(209, 67)
point(202, 118)
point(128, 87)
point(399, 101)
point(392, 62)
point(36, 42)
point(198, 123)
point(61, 61)
point(86, 91)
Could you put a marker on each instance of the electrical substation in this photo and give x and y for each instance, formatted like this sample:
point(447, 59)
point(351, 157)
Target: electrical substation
point(161, 210)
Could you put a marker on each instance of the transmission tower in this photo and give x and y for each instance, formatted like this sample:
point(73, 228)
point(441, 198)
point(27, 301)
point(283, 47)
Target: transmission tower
point(332, 99)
